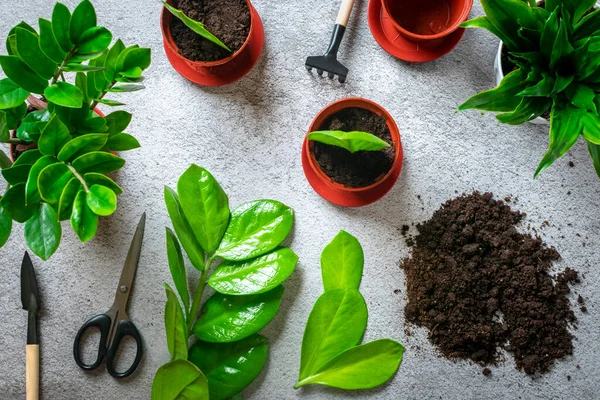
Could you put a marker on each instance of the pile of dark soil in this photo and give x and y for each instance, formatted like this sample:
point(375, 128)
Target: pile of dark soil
point(362, 168)
point(479, 285)
point(229, 20)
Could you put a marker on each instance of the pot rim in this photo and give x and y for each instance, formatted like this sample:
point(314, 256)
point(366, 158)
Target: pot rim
point(468, 5)
point(351, 102)
point(165, 26)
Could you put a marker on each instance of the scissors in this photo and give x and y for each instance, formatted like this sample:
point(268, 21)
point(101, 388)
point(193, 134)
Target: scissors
point(114, 325)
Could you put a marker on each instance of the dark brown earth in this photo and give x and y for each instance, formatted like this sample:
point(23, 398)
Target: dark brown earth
point(362, 168)
point(479, 285)
point(228, 20)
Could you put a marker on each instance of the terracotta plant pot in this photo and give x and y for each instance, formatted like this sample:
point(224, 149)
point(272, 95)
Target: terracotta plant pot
point(338, 193)
point(426, 20)
point(216, 73)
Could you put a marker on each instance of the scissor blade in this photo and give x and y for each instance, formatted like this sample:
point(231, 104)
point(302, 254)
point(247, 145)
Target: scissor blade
point(131, 264)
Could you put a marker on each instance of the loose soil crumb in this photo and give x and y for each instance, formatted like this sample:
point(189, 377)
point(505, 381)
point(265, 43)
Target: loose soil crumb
point(362, 168)
point(486, 372)
point(571, 164)
point(479, 285)
point(228, 20)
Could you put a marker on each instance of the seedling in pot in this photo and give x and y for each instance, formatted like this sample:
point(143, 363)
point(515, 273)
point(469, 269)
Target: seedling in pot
point(239, 255)
point(553, 47)
point(196, 26)
point(62, 149)
point(352, 141)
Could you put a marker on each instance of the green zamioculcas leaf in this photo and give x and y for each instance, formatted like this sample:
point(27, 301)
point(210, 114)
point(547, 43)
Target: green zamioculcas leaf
point(503, 98)
point(177, 267)
point(83, 220)
point(84, 18)
point(205, 206)
point(117, 122)
point(94, 40)
point(352, 141)
point(5, 226)
point(342, 262)
point(49, 44)
point(18, 72)
point(179, 380)
point(99, 162)
point(196, 26)
point(232, 318)
point(4, 131)
point(31, 188)
point(594, 150)
point(32, 125)
point(122, 142)
point(75, 67)
point(16, 174)
point(67, 198)
point(61, 21)
point(361, 367)
point(64, 94)
point(256, 228)
point(54, 136)
point(29, 51)
point(11, 94)
point(255, 276)
point(82, 145)
point(111, 103)
point(4, 160)
point(110, 62)
point(52, 181)
point(126, 88)
point(11, 39)
point(43, 231)
point(101, 200)
point(183, 230)
point(134, 57)
point(230, 367)
point(29, 157)
point(336, 323)
point(14, 204)
point(93, 178)
point(177, 338)
point(15, 115)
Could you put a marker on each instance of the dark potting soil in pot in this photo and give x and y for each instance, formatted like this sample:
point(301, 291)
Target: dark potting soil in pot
point(479, 285)
point(228, 20)
point(362, 168)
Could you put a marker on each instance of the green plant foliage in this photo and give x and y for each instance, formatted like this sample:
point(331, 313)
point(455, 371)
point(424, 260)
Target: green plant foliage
point(556, 54)
point(331, 354)
point(179, 380)
point(63, 176)
point(227, 351)
point(352, 141)
point(196, 26)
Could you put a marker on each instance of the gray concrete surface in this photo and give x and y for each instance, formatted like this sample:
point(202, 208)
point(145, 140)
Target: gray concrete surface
point(249, 135)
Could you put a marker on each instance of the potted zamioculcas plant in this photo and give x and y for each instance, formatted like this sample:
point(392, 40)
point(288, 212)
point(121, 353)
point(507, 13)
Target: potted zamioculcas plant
point(212, 42)
point(352, 155)
point(551, 64)
point(61, 147)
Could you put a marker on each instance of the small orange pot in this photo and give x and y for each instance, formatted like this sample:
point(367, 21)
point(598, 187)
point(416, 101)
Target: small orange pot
point(221, 72)
point(338, 193)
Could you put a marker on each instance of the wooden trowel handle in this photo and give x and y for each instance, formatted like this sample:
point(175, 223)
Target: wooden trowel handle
point(32, 375)
point(345, 11)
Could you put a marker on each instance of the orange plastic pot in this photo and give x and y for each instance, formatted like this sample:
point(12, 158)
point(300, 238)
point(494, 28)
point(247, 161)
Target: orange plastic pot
point(221, 72)
point(338, 193)
point(426, 20)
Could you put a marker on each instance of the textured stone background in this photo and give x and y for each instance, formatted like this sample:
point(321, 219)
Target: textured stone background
point(249, 135)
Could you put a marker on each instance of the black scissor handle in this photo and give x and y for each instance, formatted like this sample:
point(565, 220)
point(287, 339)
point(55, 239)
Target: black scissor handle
point(125, 328)
point(102, 322)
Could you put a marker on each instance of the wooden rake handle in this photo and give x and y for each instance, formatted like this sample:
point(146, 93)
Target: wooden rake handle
point(345, 11)
point(32, 375)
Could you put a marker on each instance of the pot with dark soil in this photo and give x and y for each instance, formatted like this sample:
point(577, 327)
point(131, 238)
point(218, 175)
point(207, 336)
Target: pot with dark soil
point(352, 155)
point(212, 42)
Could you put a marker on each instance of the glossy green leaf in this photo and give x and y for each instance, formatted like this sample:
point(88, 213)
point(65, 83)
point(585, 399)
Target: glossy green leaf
point(94, 40)
point(588, 26)
point(100, 84)
point(110, 62)
point(205, 206)
point(32, 125)
point(64, 94)
point(61, 22)
point(175, 326)
point(133, 57)
point(48, 42)
point(230, 367)
point(11, 94)
point(255, 276)
point(16, 174)
point(99, 162)
point(543, 88)
point(594, 150)
point(352, 141)
point(125, 88)
point(336, 323)
point(29, 157)
point(484, 23)
point(112, 103)
point(101, 200)
point(54, 136)
point(5, 226)
point(4, 160)
point(562, 46)
point(122, 142)
point(196, 26)
point(117, 122)
point(31, 188)
point(93, 178)
point(52, 181)
point(76, 67)
point(503, 98)
point(134, 73)
point(183, 229)
point(4, 131)
point(43, 231)
point(14, 205)
point(582, 97)
point(177, 267)
point(591, 127)
point(530, 108)
point(15, 115)
point(232, 318)
point(361, 367)
point(81, 145)
point(30, 52)
point(179, 380)
point(256, 228)
point(549, 34)
point(342, 262)
point(508, 16)
point(93, 125)
point(84, 18)
point(67, 198)
point(83, 220)
point(11, 38)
